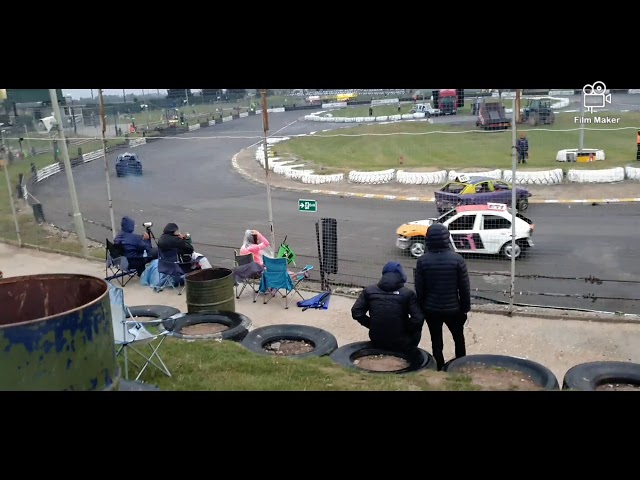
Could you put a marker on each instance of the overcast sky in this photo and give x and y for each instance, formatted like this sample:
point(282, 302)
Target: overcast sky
point(80, 93)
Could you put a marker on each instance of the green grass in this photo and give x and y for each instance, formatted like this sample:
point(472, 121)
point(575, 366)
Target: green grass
point(381, 111)
point(448, 148)
point(226, 365)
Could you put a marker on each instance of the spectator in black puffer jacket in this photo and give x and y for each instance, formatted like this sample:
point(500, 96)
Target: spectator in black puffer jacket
point(395, 320)
point(443, 291)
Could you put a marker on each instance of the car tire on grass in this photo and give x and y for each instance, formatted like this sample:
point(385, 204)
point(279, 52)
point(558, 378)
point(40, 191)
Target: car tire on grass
point(238, 325)
point(538, 373)
point(322, 341)
point(589, 376)
point(348, 354)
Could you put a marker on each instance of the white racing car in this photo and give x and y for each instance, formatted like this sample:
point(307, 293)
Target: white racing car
point(483, 229)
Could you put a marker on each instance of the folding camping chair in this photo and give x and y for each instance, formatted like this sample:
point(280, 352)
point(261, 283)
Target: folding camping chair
point(129, 335)
point(245, 273)
point(117, 264)
point(276, 278)
point(172, 270)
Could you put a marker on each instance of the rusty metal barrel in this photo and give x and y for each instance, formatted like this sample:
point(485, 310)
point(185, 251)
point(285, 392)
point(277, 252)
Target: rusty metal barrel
point(56, 334)
point(210, 290)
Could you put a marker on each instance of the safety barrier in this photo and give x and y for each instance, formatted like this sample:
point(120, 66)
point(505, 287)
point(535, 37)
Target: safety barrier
point(227, 119)
point(244, 114)
point(48, 171)
point(316, 117)
point(194, 127)
point(570, 154)
point(384, 176)
point(632, 173)
point(543, 177)
point(320, 179)
point(136, 142)
point(494, 174)
point(421, 178)
point(212, 123)
point(88, 157)
point(608, 175)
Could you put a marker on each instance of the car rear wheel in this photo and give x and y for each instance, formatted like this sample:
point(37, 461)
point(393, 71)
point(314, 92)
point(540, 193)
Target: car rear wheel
point(522, 204)
point(417, 247)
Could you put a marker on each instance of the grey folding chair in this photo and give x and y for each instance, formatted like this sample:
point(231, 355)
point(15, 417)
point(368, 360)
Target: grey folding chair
point(132, 335)
point(246, 273)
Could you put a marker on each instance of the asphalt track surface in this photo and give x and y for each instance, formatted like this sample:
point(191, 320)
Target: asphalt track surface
point(189, 180)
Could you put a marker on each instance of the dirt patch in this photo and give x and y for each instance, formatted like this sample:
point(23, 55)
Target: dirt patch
point(619, 387)
point(204, 329)
point(492, 378)
point(289, 347)
point(381, 363)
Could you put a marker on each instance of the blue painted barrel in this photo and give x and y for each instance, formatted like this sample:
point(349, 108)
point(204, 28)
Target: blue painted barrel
point(56, 334)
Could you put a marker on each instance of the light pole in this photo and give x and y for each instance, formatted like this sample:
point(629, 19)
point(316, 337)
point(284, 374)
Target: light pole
point(103, 117)
point(77, 216)
point(514, 168)
point(265, 127)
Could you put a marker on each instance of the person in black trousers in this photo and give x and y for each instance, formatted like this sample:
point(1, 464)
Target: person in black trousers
point(443, 291)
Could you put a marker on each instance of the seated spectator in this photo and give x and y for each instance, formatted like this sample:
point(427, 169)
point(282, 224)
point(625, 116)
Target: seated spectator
point(254, 243)
point(137, 248)
point(172, 241)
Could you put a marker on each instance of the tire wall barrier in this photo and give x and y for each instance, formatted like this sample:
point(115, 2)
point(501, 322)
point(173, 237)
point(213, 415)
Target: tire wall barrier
point(546, 177)
point(596, 176)
point(315, 117)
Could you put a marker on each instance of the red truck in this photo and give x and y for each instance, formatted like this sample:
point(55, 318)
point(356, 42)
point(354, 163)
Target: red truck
point(446, 100)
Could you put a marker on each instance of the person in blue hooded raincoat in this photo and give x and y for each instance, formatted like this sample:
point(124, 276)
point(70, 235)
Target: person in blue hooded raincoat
point(391, 312)
point(135, 245)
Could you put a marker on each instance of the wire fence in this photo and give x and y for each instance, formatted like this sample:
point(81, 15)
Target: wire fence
point(577, 256)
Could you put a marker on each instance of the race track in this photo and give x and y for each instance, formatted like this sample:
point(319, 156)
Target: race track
point(189, 180)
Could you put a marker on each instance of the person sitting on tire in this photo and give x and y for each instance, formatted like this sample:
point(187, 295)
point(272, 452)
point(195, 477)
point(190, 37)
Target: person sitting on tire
point(394, 317)
point(135, 245)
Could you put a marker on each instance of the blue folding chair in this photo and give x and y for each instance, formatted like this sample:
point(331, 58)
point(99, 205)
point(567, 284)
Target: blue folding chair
point(276, 278)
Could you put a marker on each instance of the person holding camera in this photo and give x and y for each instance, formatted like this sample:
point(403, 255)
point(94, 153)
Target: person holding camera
point(172, 240)
point(137, 248)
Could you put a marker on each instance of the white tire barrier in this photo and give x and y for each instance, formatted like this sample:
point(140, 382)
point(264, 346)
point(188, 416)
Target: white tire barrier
point(320, 179)
point(421, 178)
point(226, 119)
point(244, 114)
point(212, 123)
point(382, 118)
point(494, 174)
point(375, 178)
point(545, 177)
point(571, 153)
point(194, 127)
point(419, 115)
point(281, 168)
point(274, 140)
point(295, 174)
point(608, 175)
point(632, 173)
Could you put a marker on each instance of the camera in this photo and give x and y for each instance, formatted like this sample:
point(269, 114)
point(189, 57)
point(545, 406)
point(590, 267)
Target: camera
point(147, 225)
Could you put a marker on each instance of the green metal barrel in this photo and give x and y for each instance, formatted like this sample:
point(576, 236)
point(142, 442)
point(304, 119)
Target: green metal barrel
point(210, 290)
point(56, 334)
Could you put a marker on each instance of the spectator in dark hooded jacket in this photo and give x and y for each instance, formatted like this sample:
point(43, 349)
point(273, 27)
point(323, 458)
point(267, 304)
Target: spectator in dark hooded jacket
point(394, 318)
point(135, 245)
point(444, 294)
point(173, 240)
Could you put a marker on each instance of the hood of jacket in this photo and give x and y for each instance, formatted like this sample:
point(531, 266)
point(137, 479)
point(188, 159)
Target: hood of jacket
point(438, 238)
point(127, 225)
point(170, 228)
point(393, 277)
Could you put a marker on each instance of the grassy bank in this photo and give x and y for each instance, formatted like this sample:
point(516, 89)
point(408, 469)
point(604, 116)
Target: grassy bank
point(227, 366)
point(435, 146)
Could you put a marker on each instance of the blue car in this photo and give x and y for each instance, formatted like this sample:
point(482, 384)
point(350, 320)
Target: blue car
point(128, 164)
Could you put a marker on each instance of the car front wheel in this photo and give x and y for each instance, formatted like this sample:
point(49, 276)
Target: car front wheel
point(522, 204)
point(417, 247)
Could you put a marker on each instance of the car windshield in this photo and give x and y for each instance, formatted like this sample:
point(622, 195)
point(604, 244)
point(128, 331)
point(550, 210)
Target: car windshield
point(446, 216)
